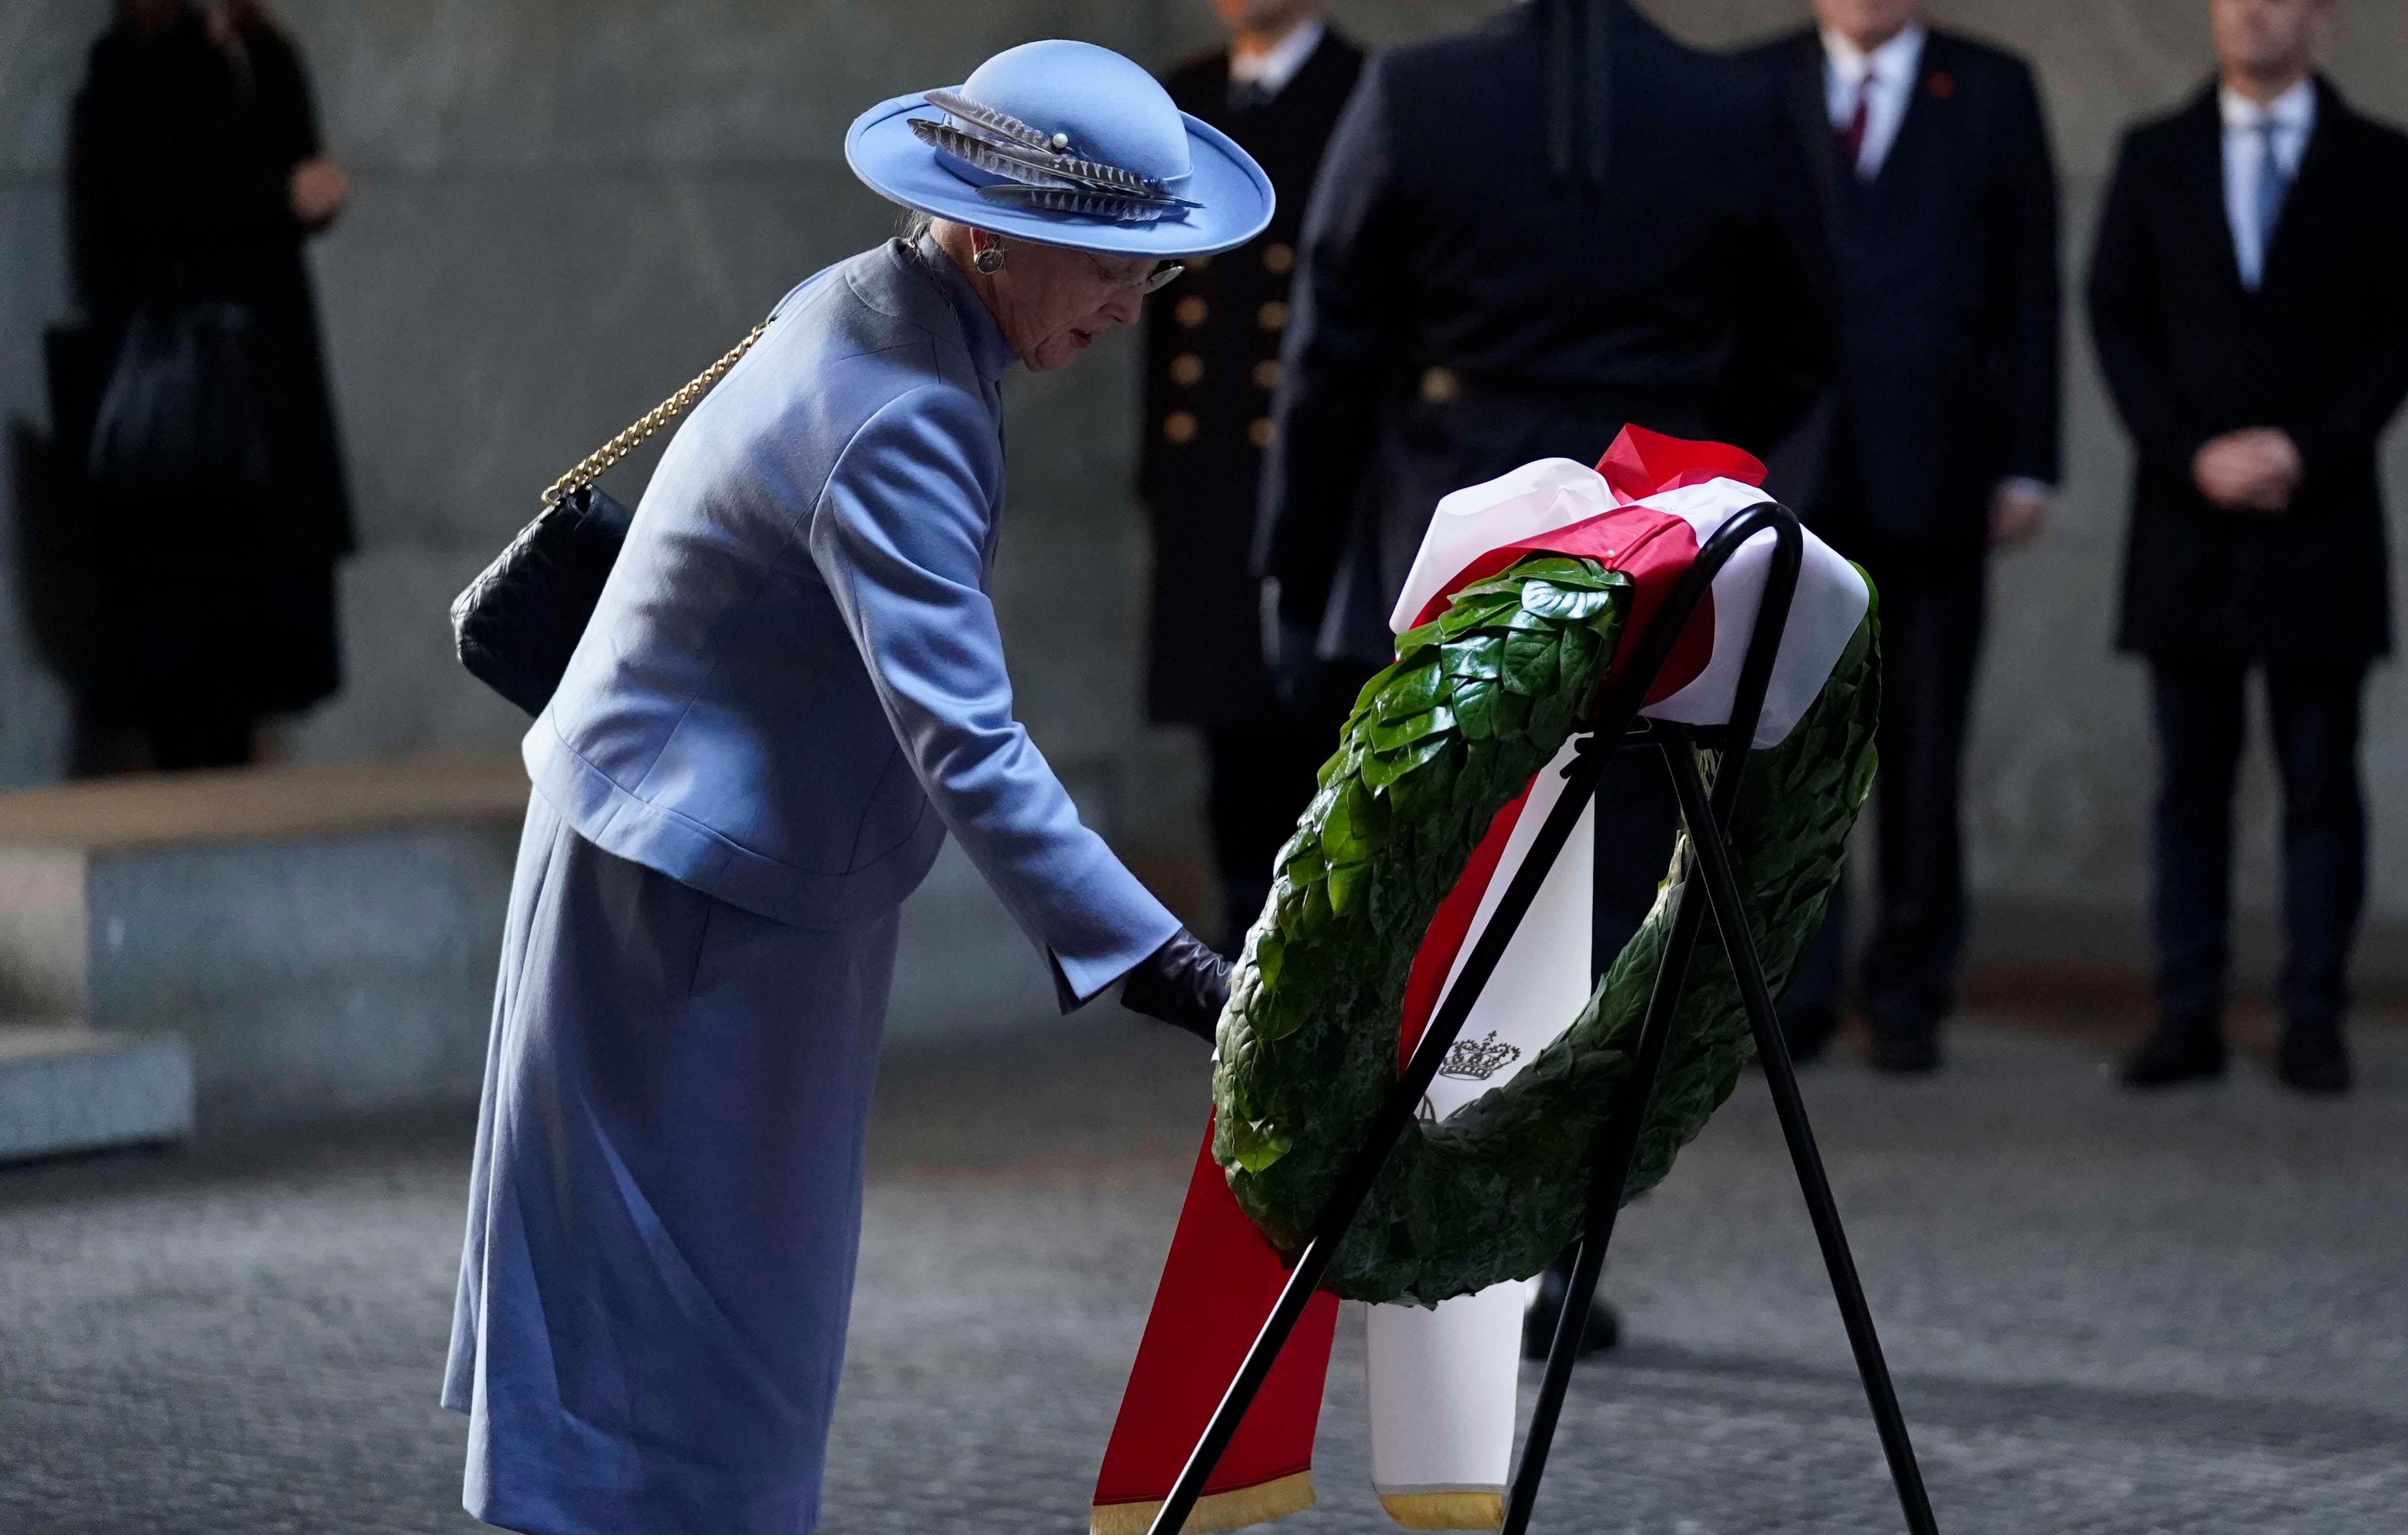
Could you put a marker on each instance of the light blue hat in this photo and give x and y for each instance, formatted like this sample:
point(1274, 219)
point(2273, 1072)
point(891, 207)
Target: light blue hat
point(1068, 144)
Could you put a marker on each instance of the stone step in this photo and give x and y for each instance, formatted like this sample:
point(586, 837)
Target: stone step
point(65, 1087)
point(325, 937)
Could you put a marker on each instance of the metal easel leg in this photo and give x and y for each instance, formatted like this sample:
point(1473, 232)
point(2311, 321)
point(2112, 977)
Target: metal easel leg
point(1605, 1198)
point(1618, 1143)
point(1712, 860)
point(1709, 884)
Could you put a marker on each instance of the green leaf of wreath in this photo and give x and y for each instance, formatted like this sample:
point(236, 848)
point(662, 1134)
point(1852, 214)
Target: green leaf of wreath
point(1530, 662)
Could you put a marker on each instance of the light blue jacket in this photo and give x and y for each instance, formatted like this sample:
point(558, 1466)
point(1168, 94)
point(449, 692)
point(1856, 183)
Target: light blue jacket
point(793, 685)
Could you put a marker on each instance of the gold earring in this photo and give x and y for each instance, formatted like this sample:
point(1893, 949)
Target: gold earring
point(989, 260)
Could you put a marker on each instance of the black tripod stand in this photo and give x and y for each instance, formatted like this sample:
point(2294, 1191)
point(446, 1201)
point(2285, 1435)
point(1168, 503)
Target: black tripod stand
point(1708, 885)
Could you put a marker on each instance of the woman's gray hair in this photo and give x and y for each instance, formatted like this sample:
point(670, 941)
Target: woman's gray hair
point(914, 224)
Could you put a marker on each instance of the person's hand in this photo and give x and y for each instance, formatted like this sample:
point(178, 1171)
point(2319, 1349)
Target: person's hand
point(1184, 983)
point(319, 190)
point(2018, 513)
point(2252, 471)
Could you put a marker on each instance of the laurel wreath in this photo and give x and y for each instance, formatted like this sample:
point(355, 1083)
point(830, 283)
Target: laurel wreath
point(1476, 703)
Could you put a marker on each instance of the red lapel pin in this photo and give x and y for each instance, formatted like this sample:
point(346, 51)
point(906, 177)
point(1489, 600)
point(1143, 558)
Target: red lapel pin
point(1941, 83)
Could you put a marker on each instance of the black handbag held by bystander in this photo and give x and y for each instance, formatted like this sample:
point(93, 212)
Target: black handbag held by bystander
point(179, 415)
point(519, 622)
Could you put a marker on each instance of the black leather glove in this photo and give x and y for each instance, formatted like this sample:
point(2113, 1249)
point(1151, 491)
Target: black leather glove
point(1184, 983)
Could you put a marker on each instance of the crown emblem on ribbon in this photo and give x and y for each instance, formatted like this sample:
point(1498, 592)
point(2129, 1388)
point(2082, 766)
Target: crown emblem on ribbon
point(1040, 170)
point(1477, 1061)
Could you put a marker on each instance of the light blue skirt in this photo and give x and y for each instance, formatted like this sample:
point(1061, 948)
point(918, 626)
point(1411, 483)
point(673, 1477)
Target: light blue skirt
point(665, 1205)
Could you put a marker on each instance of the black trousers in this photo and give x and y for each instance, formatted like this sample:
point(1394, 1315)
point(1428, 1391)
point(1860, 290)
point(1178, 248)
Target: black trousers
point(1934, 602)
point(1637, 817)
point(2202, 722)
point(1258, 780)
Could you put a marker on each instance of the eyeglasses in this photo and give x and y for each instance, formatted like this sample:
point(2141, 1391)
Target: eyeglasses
point(1152, 280)
point(1160, 277)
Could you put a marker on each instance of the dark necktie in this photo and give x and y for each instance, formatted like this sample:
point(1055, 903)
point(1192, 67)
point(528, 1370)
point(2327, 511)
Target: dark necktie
point(1848, 142)
point(1247, 97)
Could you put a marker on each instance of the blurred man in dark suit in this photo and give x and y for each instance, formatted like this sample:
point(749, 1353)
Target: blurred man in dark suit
point(2249, 294)
point(1524, 237)
point(1932, 163)
point(1212, 343)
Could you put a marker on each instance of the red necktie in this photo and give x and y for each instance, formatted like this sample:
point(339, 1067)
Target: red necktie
point(1850, 140)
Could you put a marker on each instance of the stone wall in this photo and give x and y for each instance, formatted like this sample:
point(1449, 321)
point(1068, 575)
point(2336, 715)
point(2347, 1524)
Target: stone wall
point(566, 209)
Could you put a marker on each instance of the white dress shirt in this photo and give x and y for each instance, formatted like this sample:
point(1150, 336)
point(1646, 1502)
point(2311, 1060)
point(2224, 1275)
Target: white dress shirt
point(2291, 117)
point(1882, 79)
point(1269, 70)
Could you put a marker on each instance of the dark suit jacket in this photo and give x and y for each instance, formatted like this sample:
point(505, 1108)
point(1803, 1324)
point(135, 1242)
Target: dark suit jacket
point(2320, 350)
point(1212, 343)
point(1947, 264)
point(1523, 237)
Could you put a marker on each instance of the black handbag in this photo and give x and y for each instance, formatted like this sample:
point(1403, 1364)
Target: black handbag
point(179, 416)
point(77, 359)
point(519, 622)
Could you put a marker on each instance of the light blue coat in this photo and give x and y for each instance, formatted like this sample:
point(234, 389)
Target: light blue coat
point(794, 686)
point(792, 690)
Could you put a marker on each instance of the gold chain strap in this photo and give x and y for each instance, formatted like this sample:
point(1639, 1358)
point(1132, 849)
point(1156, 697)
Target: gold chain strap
point(592, 465)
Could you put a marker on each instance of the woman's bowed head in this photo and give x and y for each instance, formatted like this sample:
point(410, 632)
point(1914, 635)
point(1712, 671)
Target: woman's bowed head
point(1065, 183)
point(1050, 302)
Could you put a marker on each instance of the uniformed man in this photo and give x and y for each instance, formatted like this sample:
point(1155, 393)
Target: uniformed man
point(1211, 366)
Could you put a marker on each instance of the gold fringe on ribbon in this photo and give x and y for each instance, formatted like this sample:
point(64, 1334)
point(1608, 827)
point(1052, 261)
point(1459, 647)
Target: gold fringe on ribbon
point(1233, 1509)
point(1446, 1508)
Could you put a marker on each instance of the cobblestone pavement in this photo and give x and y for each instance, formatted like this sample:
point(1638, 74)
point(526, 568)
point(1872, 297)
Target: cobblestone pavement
point(2180, 1313)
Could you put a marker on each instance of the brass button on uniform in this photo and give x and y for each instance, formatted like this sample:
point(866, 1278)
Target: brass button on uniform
point(1179, 427)
point(1267, 373)
point(1186, 369)
point(1278, 258)
point(1261, 432)
point(1273, 315)
point(1191, 311)
point(1440, 385)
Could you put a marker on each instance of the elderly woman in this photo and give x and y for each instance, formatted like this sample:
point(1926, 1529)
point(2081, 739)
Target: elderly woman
point(793, 689)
